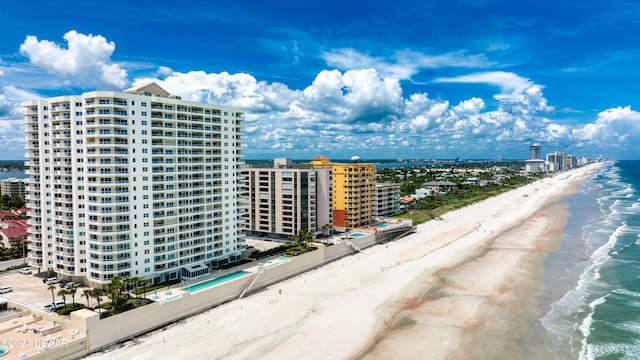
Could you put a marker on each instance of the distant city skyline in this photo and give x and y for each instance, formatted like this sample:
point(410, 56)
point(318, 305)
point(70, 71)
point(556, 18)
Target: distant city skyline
point(427, 80)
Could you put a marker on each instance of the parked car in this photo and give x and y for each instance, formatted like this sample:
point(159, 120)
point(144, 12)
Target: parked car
point(5, 289)
point(65, 285)
point(25, 271)
point(51, 280)
point(55, 306)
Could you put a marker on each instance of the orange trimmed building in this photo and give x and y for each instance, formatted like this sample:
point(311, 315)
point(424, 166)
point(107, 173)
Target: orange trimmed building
point(354, 192)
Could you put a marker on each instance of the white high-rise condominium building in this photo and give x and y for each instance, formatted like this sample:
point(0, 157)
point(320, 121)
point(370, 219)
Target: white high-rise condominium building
point(134, 183)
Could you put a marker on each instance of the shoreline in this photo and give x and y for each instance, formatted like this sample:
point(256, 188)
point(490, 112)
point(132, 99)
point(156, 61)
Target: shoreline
point(353, 307)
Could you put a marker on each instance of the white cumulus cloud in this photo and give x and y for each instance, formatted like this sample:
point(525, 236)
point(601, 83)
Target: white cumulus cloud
point(86, 61)
point(617, 128)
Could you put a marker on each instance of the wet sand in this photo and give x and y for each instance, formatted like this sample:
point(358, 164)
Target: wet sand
point(485, 307)
point(464, 287)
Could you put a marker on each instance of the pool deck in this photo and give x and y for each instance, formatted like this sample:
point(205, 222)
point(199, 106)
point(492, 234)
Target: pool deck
point(163, 296)
point(31, 334)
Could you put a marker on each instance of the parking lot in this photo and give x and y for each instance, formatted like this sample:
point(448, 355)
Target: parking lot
point(30, 292)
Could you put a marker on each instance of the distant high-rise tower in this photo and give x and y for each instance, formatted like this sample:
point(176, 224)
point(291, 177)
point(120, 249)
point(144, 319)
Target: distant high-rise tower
point(535, 152)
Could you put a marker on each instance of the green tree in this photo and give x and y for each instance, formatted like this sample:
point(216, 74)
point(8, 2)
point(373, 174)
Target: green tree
point(114, 291)
point(325, 229)
point(304, 237)
point(63, 293)
point(97, 294)
point(87, 294)
point(132, 283)
point(145, 284)
point(53, 296)
point(71, 290)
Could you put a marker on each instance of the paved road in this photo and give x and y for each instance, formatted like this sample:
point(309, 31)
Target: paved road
point(8, 263)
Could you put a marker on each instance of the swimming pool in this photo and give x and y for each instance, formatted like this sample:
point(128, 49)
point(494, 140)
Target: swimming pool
point(3, 351)
point(216, 281)
point(357, 235)
point(383, 225)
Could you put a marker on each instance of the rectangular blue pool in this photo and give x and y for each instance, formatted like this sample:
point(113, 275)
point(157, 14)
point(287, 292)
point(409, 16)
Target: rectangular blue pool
point(216, 281)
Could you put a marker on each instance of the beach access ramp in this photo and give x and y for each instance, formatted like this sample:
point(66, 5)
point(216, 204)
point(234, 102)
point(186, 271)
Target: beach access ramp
point(353, 246)
point(253, 281)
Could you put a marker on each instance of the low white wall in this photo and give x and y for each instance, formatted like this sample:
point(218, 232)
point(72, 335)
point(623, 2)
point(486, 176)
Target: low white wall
point(111, 330)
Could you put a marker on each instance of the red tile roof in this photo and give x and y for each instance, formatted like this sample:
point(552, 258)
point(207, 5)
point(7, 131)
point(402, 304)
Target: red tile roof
point(15, 229)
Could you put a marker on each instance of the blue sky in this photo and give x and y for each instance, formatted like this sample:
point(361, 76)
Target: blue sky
point(419, 79)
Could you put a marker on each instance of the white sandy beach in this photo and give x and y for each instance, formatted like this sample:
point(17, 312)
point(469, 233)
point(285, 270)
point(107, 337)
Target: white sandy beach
point(464, 287)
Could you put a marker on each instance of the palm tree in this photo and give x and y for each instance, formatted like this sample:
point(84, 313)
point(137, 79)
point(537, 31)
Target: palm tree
point(87, 293)
point(145, 283)
point(22, 244)
point(132, 283)
point(304, 237)
point(72, 290)
point(97, 294)
point(64, 294)
point(114, 290)
point(53, 296)
point(325, 229)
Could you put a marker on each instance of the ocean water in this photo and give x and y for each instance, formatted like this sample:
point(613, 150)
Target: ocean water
point(593, 279)
point(13, 174)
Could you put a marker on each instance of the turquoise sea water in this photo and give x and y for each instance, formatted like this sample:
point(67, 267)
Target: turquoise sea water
point(594, 278)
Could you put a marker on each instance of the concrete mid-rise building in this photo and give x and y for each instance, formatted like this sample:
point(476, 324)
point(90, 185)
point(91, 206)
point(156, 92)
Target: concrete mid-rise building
point(286, 198)
point(134, 183)
point(13, 187)
point(387, 199)
point(556, 161)
point(571, 161)
point(353, 192)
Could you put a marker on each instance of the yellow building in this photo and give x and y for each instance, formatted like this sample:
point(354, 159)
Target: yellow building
point(354, 186)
